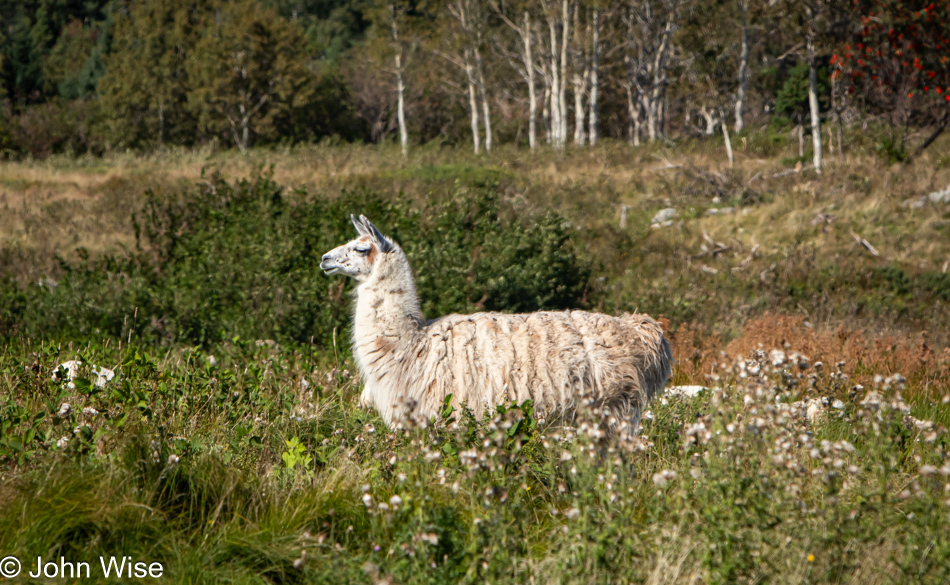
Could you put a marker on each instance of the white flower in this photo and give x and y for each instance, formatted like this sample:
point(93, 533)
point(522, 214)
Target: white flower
point(63, 442)
point(90, 411)
point(103, 375)
point(173, 459)
point(368, 500)
point(573, 514)
point(64, 410)
point(661, 478)
point(71, 367)
point(566, 456)
point(212, 361)
point(395, 501)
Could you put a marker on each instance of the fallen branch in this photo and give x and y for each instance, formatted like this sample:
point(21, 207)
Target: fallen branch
point(865, 244)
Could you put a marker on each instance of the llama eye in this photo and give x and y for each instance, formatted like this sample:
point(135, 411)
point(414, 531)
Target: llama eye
point(363, 251)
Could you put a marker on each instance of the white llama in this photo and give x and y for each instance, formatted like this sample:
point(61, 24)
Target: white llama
point(559, 360)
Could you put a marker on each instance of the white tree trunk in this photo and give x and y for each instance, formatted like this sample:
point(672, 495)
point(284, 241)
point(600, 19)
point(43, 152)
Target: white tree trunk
point(580, 83)
point(532, 95)
point(580, 78)
point(400, 91)
point(486, 110)
point(472, 101)
point(562, 91)
point(654, 108)
point(710, 119)
point(546, 108)
point(555, 89)
point(725, 136)
point(813, 92)
point(743, 65)
point(594, 78)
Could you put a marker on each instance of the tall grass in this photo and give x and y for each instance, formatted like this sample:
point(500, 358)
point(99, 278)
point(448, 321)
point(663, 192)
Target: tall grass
point(256, 466)
point(230, 447)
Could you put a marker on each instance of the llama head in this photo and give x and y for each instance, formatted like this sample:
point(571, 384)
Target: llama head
point(358, 257)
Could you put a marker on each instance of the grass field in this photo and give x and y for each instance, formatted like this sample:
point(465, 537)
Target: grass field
point(229, 447)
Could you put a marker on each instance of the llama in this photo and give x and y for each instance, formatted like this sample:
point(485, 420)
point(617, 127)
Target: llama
point(559, 360)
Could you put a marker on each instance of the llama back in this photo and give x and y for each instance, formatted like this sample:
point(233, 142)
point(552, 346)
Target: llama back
point(558, 360)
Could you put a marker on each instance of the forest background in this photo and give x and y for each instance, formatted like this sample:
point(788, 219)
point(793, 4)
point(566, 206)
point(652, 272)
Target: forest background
point(105, 76)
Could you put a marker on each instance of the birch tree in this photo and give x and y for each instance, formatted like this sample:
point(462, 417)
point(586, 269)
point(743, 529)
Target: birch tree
point(650, 25)
point(557, 116)
point(527, 68)
point(594, 76)
point(580, 77)
point(467, 14)
point(743, 76)
point(400, 83)
point(811, 56)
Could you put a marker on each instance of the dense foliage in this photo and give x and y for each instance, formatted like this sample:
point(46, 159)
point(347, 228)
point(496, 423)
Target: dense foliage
point(107, 75)
point(254, 465)
point(221, 260)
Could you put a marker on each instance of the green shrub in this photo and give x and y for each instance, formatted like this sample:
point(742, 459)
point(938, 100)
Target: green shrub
point(242, 259)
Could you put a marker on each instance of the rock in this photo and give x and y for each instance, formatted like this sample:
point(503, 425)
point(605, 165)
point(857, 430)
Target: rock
point(664, 215)
point(915, 203)
point(938, 197)
point(687, 391)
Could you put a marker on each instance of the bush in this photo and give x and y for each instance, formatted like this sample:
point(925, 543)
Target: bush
point(242, 259)
point(54, 127)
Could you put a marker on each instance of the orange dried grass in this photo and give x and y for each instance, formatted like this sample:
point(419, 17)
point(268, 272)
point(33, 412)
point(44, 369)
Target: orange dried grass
point(866, 353)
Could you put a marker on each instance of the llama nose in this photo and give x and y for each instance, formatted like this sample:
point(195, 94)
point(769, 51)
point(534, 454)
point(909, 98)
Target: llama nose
point(325, 257)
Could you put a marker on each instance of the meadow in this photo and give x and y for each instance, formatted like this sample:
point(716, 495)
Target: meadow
point(811, 309)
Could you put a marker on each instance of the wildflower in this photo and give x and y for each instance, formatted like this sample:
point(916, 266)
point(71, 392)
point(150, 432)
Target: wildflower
point(572, 514)
point(928, 470)
point(395, 501)
point(811, 558)
point(173, 460)
point(212, 361)
point(63, 442)
point(661, 478)
point(90, 411)
point(64, 410)
point(566, 456)
point(368, 500)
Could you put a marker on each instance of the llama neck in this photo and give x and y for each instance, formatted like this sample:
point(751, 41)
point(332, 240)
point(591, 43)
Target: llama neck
point(387, 306)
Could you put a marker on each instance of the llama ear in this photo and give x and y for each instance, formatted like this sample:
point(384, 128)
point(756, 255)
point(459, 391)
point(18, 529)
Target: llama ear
point(360, 228)
point(384, 243)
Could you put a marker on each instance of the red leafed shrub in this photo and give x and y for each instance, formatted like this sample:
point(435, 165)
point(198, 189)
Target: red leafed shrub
point(899, 55)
